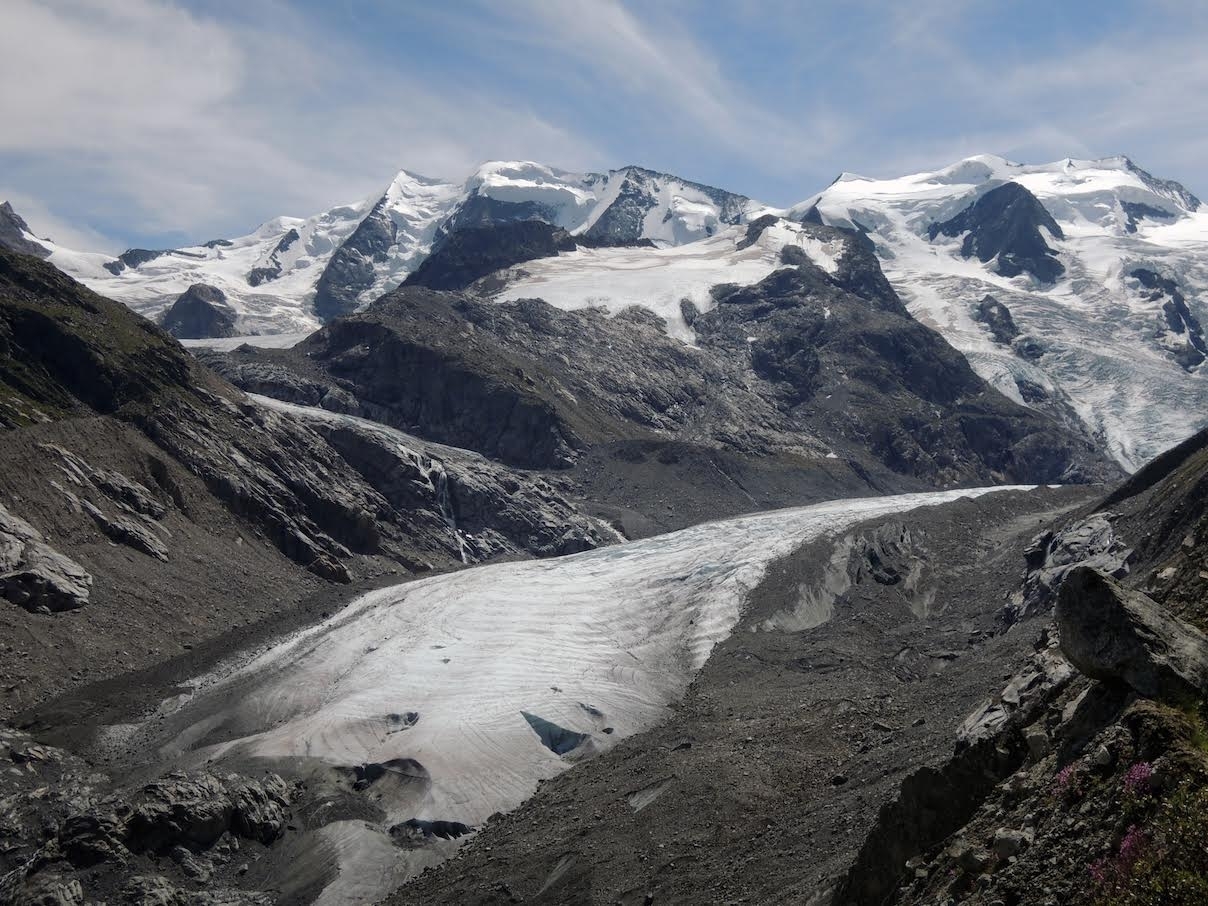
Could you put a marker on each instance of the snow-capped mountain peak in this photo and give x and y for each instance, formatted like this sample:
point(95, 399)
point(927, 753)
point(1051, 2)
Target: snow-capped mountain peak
point(1099, 266)
point(1060, 249)
point(291, 273)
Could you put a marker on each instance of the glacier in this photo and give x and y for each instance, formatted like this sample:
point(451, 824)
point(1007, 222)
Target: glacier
point(1102, 348)
point(470, 688)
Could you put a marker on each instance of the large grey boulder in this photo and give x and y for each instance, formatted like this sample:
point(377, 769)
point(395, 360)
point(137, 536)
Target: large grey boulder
point(1052, 555)
point(1114, 634)
point(33, 574)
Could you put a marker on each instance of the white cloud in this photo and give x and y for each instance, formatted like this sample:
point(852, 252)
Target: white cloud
point(146, 118)
point(178, 122)
point(46, 224)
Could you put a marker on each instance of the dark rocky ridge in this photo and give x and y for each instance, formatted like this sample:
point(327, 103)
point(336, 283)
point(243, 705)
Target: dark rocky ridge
point(1179, 321)
point(480, 211)
point(12, 230)
point(1168, 188)
point(349, 272)
point(797, 364)
point(1004, 224)
point(272, 270)
point(134, 258)
point(1136, 210)
point(637, 196)
point(200, 312)
point(1104, 756)
point(114, 433)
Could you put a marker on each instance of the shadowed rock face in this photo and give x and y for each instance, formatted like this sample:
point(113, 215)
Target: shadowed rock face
point(12, 234)
point(65, 351)
point(61, 345)
point(1114, 634)
point(33, 574)
point(200, 312)
point(803, 362)
point(272, 270)
point(350, 270)
point(479, 211)
point(623, 220)
point(1005, 224)
point(473, 252)
point(133, 258)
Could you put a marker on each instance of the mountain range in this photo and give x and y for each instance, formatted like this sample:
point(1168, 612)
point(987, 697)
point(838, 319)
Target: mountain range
point(1072, 287)
point(596, 538)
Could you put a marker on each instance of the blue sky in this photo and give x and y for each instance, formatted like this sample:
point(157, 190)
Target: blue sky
point(141, 122)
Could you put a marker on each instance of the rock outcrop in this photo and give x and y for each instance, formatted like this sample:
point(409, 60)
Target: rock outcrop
point(69, 836)
point(1182, 332)
point(271, 270)
point(15, 232)
point(33, 574)
point(200, 312)
point(473, 252)
point(1091, 541)
point(1115, 634)
point(997, 318)
point(1004, 224)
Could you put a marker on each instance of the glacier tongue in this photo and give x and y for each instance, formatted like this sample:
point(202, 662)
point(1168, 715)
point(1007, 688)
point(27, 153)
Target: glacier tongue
point(478, 684)
point(1094, 342)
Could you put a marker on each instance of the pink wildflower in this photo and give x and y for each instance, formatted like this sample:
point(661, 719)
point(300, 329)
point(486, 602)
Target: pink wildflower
point(1136, 779)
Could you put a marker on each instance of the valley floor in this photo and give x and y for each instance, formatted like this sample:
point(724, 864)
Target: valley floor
point(763, 782)
point(853, 659)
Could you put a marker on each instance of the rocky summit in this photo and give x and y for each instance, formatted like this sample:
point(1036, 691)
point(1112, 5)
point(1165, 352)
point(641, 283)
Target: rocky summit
point(602, 535)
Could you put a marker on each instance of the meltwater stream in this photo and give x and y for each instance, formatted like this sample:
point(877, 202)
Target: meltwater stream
point(476, 685)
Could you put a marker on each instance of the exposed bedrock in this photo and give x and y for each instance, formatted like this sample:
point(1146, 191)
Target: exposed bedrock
point(33, 574)
point(200, 311)
point(1114, 634)
point(1005, 224)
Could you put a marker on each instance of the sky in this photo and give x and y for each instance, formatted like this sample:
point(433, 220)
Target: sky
point(153, 123)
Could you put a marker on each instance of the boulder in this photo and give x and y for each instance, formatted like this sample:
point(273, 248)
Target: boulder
point(180, 809)
point(1008, 842)
point(1115, 634)
point(35, 575)
point(92, 837)
point(1050, 557)
point(260, 807)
